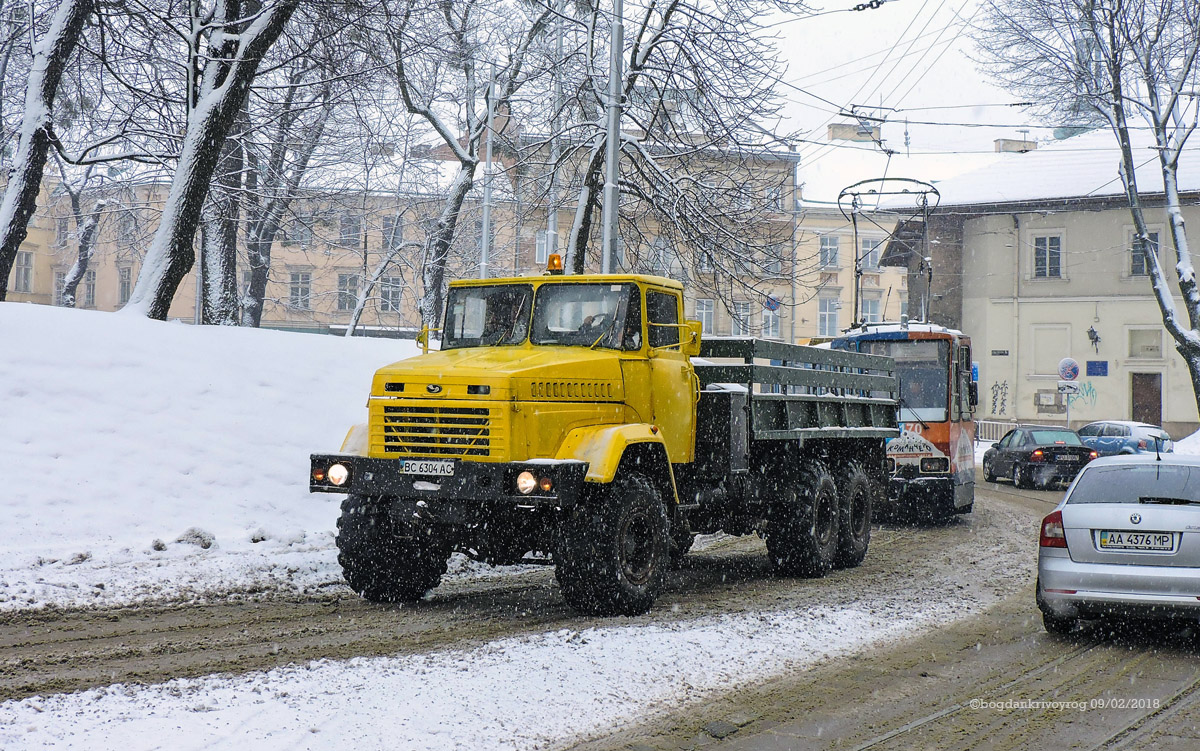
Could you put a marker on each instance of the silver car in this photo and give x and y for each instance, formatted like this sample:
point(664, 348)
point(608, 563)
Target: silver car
point(1124, 541)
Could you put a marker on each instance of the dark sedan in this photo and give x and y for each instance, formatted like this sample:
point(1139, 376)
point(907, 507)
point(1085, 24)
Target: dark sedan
point(1032, 455)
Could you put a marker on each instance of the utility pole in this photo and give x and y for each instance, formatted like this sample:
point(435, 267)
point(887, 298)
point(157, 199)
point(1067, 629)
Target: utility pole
point(485, 243)
point(552, 213)
point(612, 189)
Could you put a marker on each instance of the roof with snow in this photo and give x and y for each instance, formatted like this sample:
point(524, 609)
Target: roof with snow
point(1085, 166)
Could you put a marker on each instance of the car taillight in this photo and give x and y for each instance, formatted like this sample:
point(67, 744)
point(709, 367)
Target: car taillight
point(1052, 531)
point(1092, 455)
point(1037, 456)
point(1142, 443)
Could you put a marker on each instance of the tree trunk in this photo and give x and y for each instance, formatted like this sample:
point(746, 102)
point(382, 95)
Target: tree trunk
point(87, 246)
point(218, 259)
point(585, 211)
point(224, 86)
point(437, 247)
point(25, 180)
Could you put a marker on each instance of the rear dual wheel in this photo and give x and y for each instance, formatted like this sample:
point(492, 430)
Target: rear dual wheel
point(803, 522)
point(856, 495)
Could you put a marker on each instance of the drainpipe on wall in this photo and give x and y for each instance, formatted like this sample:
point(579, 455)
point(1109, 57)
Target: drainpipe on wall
point(1016, 339)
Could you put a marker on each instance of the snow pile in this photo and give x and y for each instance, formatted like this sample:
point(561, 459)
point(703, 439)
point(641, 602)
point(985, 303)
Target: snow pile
point(151, 460)
point(520, 693)
point(1189, 445)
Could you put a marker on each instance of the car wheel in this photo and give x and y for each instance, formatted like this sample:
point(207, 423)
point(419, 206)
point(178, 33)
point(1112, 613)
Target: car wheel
point(988, 474)
point(1018, 477)
point(1058, 625)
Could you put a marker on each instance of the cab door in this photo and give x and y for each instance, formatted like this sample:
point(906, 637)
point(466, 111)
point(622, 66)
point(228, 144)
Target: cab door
point(673, 387)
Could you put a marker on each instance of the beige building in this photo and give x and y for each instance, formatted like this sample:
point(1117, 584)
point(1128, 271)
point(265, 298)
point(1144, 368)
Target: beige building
point(330, 243)
point(1044, 241)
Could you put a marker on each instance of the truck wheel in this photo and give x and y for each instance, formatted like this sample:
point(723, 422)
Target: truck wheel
point(856, 500)
point(613, 552)
point(384, 562)
point(802, 524)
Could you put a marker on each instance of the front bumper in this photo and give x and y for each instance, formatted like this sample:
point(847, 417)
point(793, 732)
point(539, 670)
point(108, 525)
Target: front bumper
point(928, 492)
point(472, 481)
point(1071, 589)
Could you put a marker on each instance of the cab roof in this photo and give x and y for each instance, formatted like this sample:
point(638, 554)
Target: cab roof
point(644, 279)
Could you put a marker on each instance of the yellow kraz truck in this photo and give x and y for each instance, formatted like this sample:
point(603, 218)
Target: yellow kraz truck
point(566, 414)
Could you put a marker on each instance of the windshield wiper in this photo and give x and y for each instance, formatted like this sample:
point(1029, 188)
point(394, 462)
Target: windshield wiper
point(1166, 501)
point(913, 412)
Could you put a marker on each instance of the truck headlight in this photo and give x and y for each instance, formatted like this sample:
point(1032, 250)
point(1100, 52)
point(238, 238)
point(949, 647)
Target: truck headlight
point(338, 474)
point(526, 482)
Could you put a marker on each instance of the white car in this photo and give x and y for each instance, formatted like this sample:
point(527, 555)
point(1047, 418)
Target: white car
point(1125, 541)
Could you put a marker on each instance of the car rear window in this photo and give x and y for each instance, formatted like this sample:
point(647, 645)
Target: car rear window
point(1042, 437)
point(1127, 483)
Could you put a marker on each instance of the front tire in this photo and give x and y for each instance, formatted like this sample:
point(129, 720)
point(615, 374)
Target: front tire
point(614, 551)
point(383, 561)
point(988, 474)
point(855, 504)
point(802, 524)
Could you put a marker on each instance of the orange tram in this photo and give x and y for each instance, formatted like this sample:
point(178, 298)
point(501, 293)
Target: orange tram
point(932, 461)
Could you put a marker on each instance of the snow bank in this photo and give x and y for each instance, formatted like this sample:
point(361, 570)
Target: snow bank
point(1189, 445)
point(151, 460)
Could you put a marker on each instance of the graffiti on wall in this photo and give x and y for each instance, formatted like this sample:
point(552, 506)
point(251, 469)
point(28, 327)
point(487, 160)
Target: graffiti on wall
point(999, 397)
point(1087, 396)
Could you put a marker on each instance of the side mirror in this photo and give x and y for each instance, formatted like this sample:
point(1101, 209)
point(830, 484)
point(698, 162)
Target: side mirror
point(692, 347)
point(423, 338)
point(973, 393)
point(996, 445)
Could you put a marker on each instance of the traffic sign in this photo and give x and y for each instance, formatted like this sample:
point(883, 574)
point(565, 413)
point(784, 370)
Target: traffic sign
point(1068, 369)
point(1068, 387)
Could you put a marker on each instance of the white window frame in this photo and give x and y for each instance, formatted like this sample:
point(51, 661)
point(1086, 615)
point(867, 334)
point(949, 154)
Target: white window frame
point(347, 295)
point(740, 319)
point(828, 311)
point(876, 305)
point(869, 259)
point(391, 293)
point(23, 272)
point(1129, 343)
point(827, 257)
point(705, 309)
point(89, 289)
point(60, 286)
point(300, 290)
point(770, 323)
point(1155, 234)
point(124, 284)
point(1035, 241)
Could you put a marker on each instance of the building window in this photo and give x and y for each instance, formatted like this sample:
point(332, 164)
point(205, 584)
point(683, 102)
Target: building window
point(704, 263)
point(741, 319)
point(1139, 265)
point(347, 291)
point(871, 312)
point(64, 230)
point(351, 230)
point(827, 316)
point(124, 284)
point(1047, 257)
point(770, 323)
point(775, 198)
point(302, 229)
point(542, 251)
point(772, 263)
point(300, 291)
point(903, 307)
point(869, 250)
point(829, 251)
point(662, 256)
point(89, 289)
point(390, 288)
point(60, 284)
point(23, 272)
point(1145, 344)
point(704, 312)
point(393, 233)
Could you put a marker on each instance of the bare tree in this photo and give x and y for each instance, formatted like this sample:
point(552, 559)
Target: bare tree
point(50, 56)
point(1121, 62)
point(225, 47)
point(442, 79)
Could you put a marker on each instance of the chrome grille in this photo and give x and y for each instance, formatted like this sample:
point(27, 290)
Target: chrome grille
point(436, 430)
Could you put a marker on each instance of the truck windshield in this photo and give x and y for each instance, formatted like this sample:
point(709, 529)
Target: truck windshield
point(923, 367)
point(588, 315)
point(487, 316)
